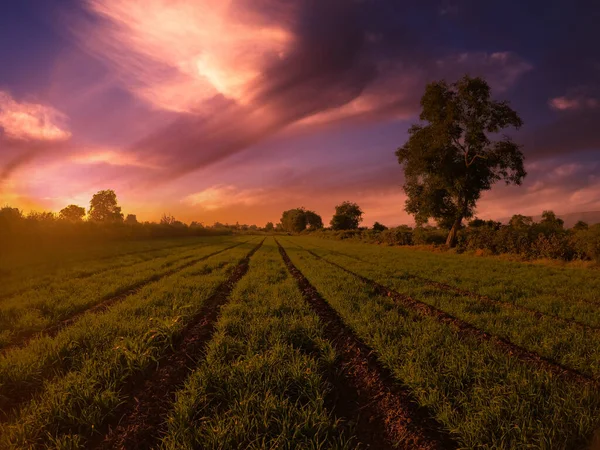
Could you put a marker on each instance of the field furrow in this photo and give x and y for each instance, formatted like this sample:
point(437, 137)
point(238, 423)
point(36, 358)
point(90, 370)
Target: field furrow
point(572, 346)
point(49, 309)
point(100, 351)
point(139, 422)
point(565, 292)
point(384, 413)
point(483, 395)
point(264, 380)
point(468, 329)
point(17, 279)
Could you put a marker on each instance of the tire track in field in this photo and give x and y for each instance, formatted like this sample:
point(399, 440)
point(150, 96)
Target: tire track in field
point(22, 339)
point(84, 275)
point(467, 329)
point(142, 420)
point(483, 298)
point(385, 415)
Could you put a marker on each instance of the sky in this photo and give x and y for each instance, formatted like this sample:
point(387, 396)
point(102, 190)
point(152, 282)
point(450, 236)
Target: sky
point(235, 110)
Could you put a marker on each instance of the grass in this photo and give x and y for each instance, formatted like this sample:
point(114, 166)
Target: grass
point(484, 397)
point(264, 379)
point(569, 292)
point(36, 267)
point(98, 355)
point(571, 345)
point(38, 309)
point(261, 383)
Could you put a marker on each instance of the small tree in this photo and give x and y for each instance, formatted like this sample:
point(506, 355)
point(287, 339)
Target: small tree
point(379, 227)
point(167, 219)
point(296, 220)
point(104, 208)
point(450, 160)
point(269, 227)
point(72, 213)
point(580, 226)
point(313, 220)
point(347, 216)
point(131, 219)
point(550, 220)
point(520, 222)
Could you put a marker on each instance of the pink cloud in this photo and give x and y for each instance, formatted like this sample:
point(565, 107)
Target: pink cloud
point(31, 121)
point(565, 103)
point(178, 56)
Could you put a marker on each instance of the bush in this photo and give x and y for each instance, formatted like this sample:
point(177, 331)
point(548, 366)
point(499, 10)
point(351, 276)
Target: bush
point(586, 243)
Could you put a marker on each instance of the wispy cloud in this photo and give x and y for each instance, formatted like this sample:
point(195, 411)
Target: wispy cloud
point(31, 121)
point(178, 55)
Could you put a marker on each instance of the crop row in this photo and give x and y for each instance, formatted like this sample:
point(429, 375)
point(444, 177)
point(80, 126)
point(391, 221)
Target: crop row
point(88, 261)
point(568, 344)
point(482, 395)
point(78, 378)
point(263, 381)
point(38, 309)
point(568, 292)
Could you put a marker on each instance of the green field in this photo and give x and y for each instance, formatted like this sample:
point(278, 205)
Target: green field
point(237, 342)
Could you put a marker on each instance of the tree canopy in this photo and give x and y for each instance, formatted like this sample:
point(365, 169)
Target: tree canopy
point(450, 159)
point(104, 207)
point(72, 213)
point(296, 220)
point(347, 216)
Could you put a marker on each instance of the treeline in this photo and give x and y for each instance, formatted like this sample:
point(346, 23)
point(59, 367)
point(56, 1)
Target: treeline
point(347, 216)
point(104, 220)
point(547, 238)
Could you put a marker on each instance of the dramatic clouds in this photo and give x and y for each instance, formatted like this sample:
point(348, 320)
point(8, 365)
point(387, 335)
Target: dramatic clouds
point(214, 108)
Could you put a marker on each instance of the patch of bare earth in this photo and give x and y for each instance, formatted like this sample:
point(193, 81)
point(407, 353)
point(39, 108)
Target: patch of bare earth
point(383, 413)
point(142, 419)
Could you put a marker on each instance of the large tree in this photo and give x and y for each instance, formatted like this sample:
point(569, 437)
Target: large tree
point(104, 207)
point(450, 159)
point(347, 216)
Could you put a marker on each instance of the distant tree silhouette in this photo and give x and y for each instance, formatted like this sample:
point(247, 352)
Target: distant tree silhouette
point(8, 214)
point(580, 226)
point(296, 220)
point(72, 213)
point(379, 227)
point(131, 219)
point(104, 208)
point(313, 220)
point(450, 160)
point(347, 216)
point(520, 222)
point(549, 219)
point(269, 226)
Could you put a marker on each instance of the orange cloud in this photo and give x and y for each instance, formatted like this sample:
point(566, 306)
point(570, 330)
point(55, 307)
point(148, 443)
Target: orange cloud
point(31, 121)
point(222, 196)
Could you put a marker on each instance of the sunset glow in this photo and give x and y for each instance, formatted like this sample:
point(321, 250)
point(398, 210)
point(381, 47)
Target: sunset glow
point(215, 110)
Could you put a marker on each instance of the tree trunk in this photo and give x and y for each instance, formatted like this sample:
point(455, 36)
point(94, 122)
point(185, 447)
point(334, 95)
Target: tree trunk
point(451, 240)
